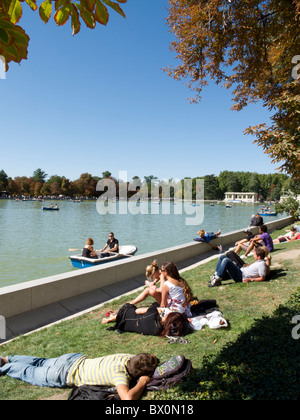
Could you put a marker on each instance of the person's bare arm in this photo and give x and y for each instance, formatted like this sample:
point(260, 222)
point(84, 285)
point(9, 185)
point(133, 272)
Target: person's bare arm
point(251, 279)
point(141, 311)
point(134, 393)
point(164, 296)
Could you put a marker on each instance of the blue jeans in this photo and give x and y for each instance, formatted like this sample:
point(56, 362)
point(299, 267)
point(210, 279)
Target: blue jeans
point(39, 371)
point(226, 266)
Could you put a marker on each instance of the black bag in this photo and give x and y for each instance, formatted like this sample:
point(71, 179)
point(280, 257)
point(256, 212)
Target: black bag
point(235, 258)
point(204, 307)
point(93, 393)
point(169, 373)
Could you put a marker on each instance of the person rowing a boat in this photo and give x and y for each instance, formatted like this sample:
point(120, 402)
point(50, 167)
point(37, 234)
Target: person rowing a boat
point(88, 250)
point(112, 244)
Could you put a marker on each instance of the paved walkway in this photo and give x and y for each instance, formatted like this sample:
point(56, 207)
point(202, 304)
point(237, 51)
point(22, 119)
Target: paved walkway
point(31, 321)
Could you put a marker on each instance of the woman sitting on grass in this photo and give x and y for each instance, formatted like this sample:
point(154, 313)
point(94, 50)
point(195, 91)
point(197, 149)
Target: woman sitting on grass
point(174, 293)
point(169, 313)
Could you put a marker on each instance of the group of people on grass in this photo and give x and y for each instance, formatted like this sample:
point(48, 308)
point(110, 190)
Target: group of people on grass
point(232, 266)
point(169, 315)
point(173, 296)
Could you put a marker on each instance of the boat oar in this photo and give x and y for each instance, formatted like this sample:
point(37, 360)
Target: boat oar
point(121, 255)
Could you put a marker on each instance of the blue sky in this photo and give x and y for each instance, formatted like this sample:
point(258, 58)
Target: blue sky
point(100, 101)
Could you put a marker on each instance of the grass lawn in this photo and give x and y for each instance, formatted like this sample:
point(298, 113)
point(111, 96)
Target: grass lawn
point(255, 358)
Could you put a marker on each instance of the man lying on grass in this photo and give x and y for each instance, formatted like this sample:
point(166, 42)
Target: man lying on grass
point(226, 269)
point(76, 370)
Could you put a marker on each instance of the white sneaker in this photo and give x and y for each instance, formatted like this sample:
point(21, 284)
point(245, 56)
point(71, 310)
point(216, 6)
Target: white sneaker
point(215, 281)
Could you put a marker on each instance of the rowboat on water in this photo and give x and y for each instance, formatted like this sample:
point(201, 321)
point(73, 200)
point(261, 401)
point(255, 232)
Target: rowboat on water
point(267, 212)
point(270, 213)
point(50, 208)
point(78, 261)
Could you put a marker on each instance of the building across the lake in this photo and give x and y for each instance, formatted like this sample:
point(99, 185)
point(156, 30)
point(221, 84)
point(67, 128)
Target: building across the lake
point(241, 197)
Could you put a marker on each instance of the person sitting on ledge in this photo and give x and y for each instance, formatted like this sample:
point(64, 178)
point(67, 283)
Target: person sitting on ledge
point(207, 237)
point(74, 369)
point(254, 272)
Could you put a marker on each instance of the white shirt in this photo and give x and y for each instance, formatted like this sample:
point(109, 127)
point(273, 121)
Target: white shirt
point(257, 269)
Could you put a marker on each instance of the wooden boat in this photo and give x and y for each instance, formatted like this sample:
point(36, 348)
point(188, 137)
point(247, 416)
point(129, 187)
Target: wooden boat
point(125, 251)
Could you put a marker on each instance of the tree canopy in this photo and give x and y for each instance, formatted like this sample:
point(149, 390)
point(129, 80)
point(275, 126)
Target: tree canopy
point(251, 46)
point(267, 186)
point(14, 40)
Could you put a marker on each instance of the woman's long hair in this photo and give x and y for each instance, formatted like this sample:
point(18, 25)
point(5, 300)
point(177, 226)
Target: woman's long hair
point(174, 325)
point(151, 270)
point(172, 271)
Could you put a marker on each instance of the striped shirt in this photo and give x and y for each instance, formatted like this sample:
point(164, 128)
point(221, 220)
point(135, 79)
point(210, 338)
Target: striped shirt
point(107, 371)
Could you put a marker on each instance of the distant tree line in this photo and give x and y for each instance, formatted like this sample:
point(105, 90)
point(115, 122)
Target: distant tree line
point(267, 186)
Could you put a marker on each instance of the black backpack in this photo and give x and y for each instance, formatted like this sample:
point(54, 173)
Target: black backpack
point(169, 373)
point(93, 392)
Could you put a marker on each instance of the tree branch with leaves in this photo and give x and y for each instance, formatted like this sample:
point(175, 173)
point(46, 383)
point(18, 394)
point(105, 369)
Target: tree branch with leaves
point(14, 40)
point(249, 46)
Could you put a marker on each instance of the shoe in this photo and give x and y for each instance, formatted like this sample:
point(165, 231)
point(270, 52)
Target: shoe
point(212, 277)
point(216, 281)
point(220, 248)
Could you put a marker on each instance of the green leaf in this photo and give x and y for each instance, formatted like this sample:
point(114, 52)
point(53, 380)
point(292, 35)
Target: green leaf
point(60, 3)
point(32, 4)
point(5, 38)
point(101, 13)
point(115, 6)
point(87, 16)
point(75, 20)
point(45, 10)
point(5, 5)
point(18, 40)
point(62, 15)
point(15, 11)
point(90, 4)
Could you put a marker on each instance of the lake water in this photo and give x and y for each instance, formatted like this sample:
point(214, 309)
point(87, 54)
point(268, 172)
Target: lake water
point(35, 243)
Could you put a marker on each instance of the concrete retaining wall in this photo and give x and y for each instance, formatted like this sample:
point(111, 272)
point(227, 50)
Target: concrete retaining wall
point(24, 297)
